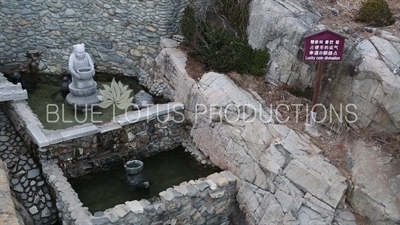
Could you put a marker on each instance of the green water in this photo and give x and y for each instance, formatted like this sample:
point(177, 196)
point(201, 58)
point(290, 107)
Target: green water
point(104, 190)
point(47, 103)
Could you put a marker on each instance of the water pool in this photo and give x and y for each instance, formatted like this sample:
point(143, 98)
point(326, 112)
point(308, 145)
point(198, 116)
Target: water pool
point(104, 190)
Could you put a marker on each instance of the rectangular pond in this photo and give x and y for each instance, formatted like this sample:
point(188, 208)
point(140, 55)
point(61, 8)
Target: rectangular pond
point(104, 190)
point(49, 106)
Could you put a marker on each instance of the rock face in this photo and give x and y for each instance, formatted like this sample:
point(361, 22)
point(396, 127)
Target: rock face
point(284, 179)
point(368, 77)
point(269, 28)
point(375, 88)
point(378, 198)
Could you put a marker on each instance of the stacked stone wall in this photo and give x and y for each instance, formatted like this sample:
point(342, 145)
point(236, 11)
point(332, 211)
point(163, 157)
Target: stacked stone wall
point(100, 151)
point(119, 34)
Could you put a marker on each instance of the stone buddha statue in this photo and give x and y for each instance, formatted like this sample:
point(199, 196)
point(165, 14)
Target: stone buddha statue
point(81, 67)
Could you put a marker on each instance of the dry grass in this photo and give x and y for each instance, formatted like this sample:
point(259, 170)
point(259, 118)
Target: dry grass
point(362, 220)
point(387, 141)
point(348, 10)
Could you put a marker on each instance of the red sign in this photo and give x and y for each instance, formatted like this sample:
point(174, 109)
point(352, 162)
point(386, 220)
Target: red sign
point(324, 46)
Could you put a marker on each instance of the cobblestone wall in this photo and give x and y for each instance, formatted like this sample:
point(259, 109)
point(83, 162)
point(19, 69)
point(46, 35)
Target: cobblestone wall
point(119, 34)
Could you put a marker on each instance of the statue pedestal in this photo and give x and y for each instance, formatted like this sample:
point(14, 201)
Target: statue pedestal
point(83, 92)
point(83, 103)
point(83, 98)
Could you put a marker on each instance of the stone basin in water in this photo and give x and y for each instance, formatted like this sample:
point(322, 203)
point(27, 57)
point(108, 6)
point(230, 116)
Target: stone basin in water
point(133, 167)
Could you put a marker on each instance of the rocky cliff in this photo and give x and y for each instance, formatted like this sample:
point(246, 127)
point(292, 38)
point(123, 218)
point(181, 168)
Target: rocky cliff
point(367, 77)
point(284, 179)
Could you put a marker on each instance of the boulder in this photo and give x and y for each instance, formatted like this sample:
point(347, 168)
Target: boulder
point(142, 100)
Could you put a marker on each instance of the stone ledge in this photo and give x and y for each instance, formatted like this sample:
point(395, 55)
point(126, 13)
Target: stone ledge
point(54, 137)
point(109, 127)
point(149, 113)
point(58, 136)
point(25, 113)
point(37, 135)
point(13, 96)
point(77, 132)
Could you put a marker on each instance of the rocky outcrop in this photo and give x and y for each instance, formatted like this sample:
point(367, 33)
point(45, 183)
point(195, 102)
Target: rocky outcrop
point(374, 88)
point(269, 28)
point(283, 177)
point(376, 181)
point(368, 77)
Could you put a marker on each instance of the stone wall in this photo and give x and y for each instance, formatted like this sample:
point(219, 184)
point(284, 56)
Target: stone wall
point(205, 201)
point(119, 34)
point(99, 151)
point(366, 77)
point(21, 116)
point(8, 214)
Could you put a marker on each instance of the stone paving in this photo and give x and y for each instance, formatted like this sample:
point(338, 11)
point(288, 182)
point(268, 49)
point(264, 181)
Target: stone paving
point(25, 176)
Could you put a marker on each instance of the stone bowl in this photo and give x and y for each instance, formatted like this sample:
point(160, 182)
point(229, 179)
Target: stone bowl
point(133, 167)
point(85, 72)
